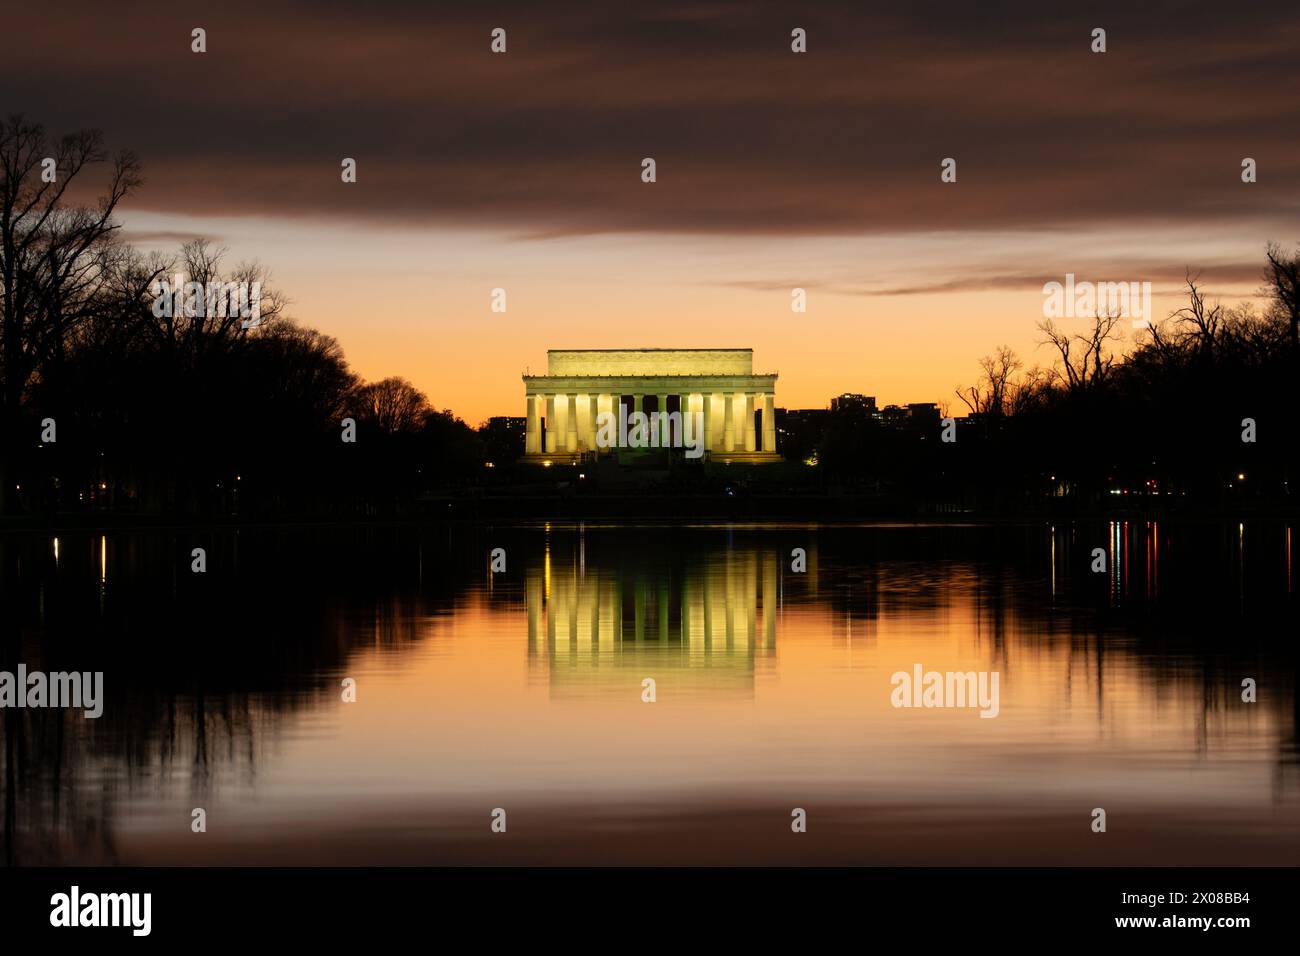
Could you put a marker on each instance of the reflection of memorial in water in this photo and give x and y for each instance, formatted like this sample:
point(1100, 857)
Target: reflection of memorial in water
point(703, 623)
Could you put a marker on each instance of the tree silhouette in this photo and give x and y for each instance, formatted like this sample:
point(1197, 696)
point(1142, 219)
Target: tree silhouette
point(56, 259)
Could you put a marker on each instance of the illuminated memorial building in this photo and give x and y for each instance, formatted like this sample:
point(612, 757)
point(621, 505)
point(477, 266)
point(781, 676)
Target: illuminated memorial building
point(734, 408)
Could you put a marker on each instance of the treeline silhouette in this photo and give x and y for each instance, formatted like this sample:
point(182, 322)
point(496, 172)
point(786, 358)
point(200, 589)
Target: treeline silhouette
point(112, 401)
point(1198, 412)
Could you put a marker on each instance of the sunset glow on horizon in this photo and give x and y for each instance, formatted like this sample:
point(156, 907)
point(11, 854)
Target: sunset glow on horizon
point(415, 302)
point(775, 171)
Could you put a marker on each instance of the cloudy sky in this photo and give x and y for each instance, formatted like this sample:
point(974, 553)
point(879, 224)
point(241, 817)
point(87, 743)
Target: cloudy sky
point(775, 169)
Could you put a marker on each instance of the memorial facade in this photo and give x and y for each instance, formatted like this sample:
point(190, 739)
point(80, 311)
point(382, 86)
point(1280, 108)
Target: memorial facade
point(734, 408)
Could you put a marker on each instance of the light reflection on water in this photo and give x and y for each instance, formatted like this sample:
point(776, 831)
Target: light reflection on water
point(523, 690)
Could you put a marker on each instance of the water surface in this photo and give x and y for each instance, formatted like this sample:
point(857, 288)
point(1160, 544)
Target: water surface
point(523, 690)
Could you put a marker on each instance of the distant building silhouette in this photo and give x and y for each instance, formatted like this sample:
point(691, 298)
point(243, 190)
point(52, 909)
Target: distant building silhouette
point(503, 438)
point(915, 416)
point(800, 429)
point(924, 415)
point(851, 402)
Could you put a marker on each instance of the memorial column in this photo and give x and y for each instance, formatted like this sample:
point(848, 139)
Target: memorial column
point(691, 404)
point(533, 429)
point(750, 437)
point(769, 422)
point(551, 430)
point(729, 423)
point(571, 422)
point(615, 401)
point(708, 421)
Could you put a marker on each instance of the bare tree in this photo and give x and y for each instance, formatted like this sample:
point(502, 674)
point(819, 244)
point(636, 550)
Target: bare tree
point(310, 372)
point(393, 405)
point(993, 393)
point(1284, 287)
point(205, 315)
point(1201, 322)
point(1031, 388)
point(52, 254)
point(1085, 360)
point(1253, 336)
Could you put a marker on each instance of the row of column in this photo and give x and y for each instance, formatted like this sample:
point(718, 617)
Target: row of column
point(571, 419)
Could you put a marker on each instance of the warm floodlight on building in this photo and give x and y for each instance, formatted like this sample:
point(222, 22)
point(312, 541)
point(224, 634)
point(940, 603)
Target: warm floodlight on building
point(584, 388)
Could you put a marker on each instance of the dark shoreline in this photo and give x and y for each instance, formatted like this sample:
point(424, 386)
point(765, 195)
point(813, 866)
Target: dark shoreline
point(666, 509)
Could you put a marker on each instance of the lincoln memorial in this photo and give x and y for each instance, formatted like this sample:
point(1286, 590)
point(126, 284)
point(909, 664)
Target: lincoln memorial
point(717, 387)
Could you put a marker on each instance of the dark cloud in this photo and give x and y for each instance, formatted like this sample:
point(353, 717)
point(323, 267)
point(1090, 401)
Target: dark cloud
point(165, 237)
point(749, 138)
point(1164, 277)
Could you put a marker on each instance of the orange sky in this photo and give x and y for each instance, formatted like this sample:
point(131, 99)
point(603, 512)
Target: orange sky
point(415, 301)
